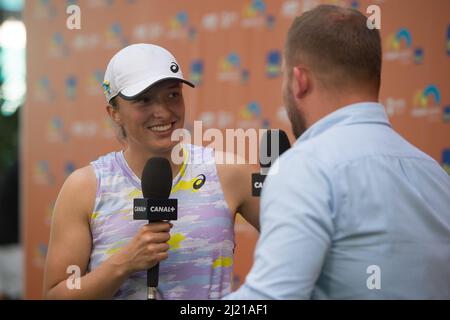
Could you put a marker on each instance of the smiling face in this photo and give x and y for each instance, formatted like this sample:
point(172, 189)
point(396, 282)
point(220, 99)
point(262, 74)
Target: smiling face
point(150, 119)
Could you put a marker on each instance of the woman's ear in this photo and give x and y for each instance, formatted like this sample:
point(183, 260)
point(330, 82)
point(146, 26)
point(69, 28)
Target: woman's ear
point(114, 114)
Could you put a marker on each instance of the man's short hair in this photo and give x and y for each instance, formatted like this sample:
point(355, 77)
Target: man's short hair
point(338, 47)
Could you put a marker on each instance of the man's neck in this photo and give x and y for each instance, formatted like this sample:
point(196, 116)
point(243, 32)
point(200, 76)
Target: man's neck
point(325, 105)
point(136, 161)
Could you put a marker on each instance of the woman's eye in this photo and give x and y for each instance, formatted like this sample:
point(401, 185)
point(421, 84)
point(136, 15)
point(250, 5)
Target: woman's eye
point(174, 95)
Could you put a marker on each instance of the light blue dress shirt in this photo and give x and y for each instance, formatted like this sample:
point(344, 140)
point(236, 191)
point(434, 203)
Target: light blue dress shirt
point(354, 212)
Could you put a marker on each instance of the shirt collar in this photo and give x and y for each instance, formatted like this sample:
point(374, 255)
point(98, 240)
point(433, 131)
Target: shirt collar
point(364, 112)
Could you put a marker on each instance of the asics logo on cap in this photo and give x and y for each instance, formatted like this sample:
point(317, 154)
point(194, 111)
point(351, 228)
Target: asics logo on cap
point(174, 67)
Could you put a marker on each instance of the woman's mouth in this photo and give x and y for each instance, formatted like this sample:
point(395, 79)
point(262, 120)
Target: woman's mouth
point(162, 127)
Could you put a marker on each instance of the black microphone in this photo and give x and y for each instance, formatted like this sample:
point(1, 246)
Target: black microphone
point(156, 183)
point(274, 143)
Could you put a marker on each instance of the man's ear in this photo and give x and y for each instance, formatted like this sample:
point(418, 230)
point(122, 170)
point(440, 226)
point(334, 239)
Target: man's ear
point(301, 82)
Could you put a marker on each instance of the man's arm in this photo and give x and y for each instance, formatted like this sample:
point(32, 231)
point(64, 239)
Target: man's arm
point(296, 232)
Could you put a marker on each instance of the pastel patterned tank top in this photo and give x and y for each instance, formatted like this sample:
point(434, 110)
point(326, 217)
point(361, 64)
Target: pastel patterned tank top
point(202, 239)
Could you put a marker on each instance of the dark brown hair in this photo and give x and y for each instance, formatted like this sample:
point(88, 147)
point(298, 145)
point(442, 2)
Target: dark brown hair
point(115, 105)
point(338, 47)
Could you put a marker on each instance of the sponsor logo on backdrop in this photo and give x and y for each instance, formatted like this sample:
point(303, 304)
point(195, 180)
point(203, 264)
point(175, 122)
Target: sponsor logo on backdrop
point(114, 37)
point(245, 74)
point(446, 114)
point(224, 20)
point(71, 87)
point(290, 9)
point(69, 168)
point(148, 32)
point(58, 47)
point(270, 21)
point(55, 130)
point(42, 175)
point(224, 119)
point(446, 160)
point(309, 4)
point(273, 64)
point(220, 119)
point(250, 116)
point(180, 28)
point(253, 9)
point(399, 47)
point(230, 69)
point(210, 21)
point(426, 102)
point(82, 42)
point(251, 111)
point(448, 40)
point(83, 129)
point(354, 4)
point(43, 91)
point(44, 9)
point(208, 119)
point(418, 56)
point(94, 82)
point(254, 14)
point(395, 106)
point(196, 72)
point(100, 3)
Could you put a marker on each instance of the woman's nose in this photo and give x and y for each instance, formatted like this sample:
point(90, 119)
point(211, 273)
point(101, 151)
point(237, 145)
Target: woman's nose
point(160, 111)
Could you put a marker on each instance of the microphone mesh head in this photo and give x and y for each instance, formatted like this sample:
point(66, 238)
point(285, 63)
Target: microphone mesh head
point(156, 181)
point(273, 144)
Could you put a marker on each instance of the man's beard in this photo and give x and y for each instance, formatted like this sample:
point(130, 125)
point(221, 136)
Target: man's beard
point(297, 118)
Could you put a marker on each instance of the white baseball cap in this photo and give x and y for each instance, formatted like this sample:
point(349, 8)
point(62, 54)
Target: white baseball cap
point(136, 68)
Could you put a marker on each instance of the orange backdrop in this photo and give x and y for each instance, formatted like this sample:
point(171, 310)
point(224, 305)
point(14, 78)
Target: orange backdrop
point(232, 50)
